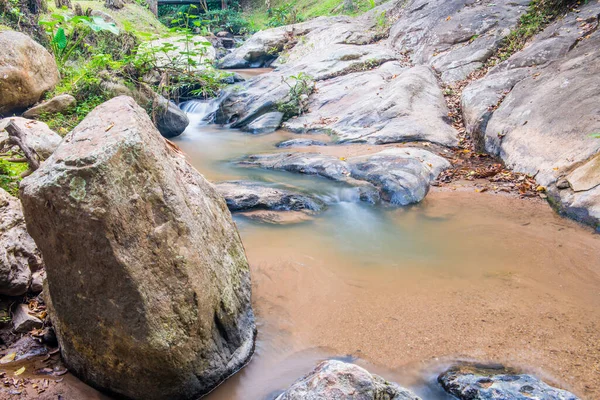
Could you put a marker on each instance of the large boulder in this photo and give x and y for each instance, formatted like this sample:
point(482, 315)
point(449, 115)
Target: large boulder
point(539, 109)
point(481, 383)
point(38, 136)
point(27, 70)
point(148, 282)
point(170, 120)
point(337, 380)
point(19, 256)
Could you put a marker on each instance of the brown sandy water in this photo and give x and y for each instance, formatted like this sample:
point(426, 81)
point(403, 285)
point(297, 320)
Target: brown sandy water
point(407, 291)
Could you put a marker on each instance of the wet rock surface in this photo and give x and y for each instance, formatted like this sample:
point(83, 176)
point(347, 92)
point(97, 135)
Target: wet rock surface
point(166, 282)
point(343, 381)
point(27, 71)
point(244, 196)
point(400, 176)
point(480, 383)
point(19, 255)
point(300, 143)
point(266, 123)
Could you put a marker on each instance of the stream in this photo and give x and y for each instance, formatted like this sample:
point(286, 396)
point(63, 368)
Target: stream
point(406, 292)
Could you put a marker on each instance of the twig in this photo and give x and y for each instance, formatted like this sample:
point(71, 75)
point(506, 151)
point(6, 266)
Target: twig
point(17, 137)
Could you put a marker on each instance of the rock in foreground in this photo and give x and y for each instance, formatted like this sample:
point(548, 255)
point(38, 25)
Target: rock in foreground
point(472, 383)
point(336, 380)
point(19, 256)
point(27, 70)
point(149, 286)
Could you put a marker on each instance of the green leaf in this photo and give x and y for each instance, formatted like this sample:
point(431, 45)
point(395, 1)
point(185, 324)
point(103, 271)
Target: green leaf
point(60, 39)
point(596, 135)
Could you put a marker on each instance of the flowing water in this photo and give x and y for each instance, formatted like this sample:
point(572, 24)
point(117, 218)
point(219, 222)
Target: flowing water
point(405, 292)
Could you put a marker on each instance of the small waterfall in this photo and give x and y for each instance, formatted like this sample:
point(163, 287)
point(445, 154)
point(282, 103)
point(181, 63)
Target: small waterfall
point(200, 112)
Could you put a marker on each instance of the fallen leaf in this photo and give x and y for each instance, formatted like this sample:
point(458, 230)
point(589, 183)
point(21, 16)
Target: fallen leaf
point(109, 127)
point(20, 371)
point(8, 358)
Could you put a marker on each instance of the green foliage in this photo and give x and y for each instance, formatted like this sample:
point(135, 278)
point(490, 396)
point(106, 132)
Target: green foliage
point(286, 14)
point(67, 33)
point(10, 175)
point(301, 86)
point(213, 20)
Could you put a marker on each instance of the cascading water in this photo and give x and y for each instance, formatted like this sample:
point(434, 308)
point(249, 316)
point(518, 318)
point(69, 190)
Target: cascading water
point(200, 112)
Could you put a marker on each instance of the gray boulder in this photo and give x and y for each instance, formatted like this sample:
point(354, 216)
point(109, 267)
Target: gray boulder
point(389, 104)
point(19, 255)
point(266, 123)
point(401, 176)
point(56, 104)
point(27, 71)
point(536, 111)
point(170, 120)
point(473, 383)
point(143, 249)
point(337, 380)
point(243, 196)
point(38, 135)
point(454, 37)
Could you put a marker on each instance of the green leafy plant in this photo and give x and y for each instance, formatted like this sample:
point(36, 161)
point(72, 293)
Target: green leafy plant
point(67, 33)
point(301, 86)
point(286, 14)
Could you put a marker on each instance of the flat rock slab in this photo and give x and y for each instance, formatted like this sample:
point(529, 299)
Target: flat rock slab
point(400, 176)
point(472, 383)
point(343, 381)
point(148, 282)
point(245, 196)
point(300, 143)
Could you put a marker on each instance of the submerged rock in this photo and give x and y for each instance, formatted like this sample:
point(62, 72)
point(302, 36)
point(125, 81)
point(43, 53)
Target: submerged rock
point(473, 383)
point(244, 196)
point(401, 175)
point(337, 380)
point(56, 104)
point(19, 255)
point(27, 71)
point(148, 282)
point(301, 143)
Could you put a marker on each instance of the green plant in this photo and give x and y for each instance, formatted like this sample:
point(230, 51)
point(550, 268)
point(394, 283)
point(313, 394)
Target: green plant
point(301, 86)
point(67, 33)
point(286, 14)
point(10, 175)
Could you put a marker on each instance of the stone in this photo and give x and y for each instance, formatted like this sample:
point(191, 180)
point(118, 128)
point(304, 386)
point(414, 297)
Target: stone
point(26, 348)
point(57, 104)
point(37, 281)
point(27, 71)
point(143, 249)
point(114, 4)
point(401, 176)
point(343, 381)
point(300, 143)
point(19, 255)
point(244, 196)
point(38, 135)
point(469, 383)
point(454, 37)
point(170, 120)
point(24, 322)
point(106, 17)
point(266, 123)
point(391, 104)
